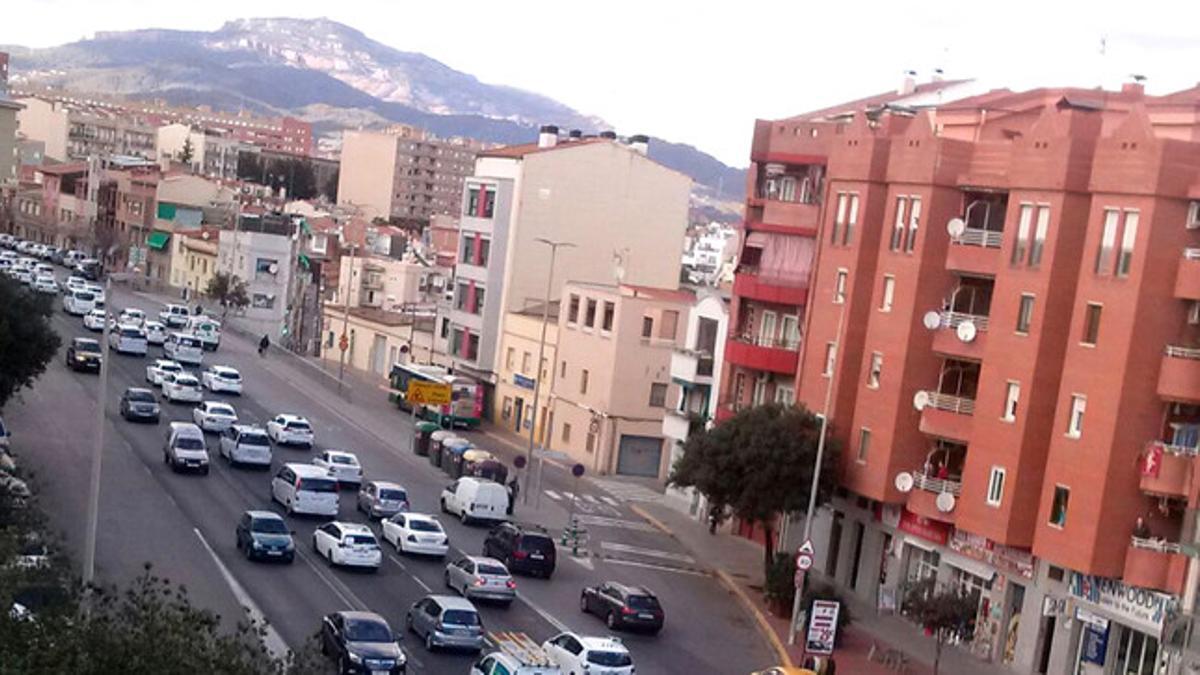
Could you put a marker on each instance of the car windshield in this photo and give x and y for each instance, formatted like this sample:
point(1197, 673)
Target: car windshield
point(84, 296)
point(538, 544)
point(89, 346)
point(642, 602)
point(254, 438)
point(460, 617)
point(491, 570)
point(170, 367)
point(141, 396)
point(423, 526)
point(397, 495)
point(362, 630)
point(343, 459)
point(361, 540)
point(298, 426)
point(222, 410)
point(610, 659)
point(189, 443)
point(230, 375)
point(269, 526)
point(318, 485)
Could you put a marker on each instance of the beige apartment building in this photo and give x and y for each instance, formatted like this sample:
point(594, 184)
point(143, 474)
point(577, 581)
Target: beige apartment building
point(75, 129)
point(520, 341)
point(376, 339)
point(404, 172)
point(613, 374)
point(194, 259)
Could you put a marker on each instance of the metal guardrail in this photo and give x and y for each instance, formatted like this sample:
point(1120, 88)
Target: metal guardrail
point(976, 237)
point(951, 403)
point(953, 319)
point(937, 485)
point(1155, 544)
point(1183, 352)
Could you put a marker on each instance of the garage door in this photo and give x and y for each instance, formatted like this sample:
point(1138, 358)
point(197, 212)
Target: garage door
point(639, 456)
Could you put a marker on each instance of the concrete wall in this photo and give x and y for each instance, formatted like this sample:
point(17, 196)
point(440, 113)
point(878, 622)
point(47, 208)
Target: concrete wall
point(399, 282)
point(366, 335)
point(238, 254)
point(368, 171)
point(9, 157)
point(42, 122)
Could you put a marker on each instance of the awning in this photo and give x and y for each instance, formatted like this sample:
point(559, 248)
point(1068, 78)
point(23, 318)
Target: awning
point(158, 240)
point(920, 543)
point(969, 565)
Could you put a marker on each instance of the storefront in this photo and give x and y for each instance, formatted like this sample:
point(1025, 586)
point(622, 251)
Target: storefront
point(1119, 627)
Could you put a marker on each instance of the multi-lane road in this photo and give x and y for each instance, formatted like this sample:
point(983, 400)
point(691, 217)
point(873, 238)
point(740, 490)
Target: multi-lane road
point(184, 524)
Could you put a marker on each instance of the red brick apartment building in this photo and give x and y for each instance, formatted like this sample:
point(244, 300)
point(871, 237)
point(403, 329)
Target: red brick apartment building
point(1000, 296)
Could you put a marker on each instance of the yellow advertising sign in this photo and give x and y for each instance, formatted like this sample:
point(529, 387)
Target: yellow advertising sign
point(427, 393)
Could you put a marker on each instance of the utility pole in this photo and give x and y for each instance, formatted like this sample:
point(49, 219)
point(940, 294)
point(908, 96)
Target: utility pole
point(344, 339)
point(93, 516)
point(537, 382)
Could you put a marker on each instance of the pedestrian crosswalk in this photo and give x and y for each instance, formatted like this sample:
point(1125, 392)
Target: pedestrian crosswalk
point(616, 547)
point(629, 492)
point(617, 523)
point(586, 498)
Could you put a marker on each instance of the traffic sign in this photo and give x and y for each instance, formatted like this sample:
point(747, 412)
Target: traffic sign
point(343, 342)
point(577, 470)
point(804, 556)
point(822, 627)
point(427, 393)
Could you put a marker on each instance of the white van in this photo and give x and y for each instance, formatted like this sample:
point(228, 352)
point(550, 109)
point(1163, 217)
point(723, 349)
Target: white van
point(304, 488)
point(184, 348)
point(175, 316)
point(79, 302)
point(185, 448)
point(207, 329)
point(128, 339)
point(476, 499)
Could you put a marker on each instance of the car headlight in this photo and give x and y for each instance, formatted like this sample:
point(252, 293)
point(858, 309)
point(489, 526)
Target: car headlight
point(80, 357)
point(401, 659)
point(256, 544)
point(354, 658)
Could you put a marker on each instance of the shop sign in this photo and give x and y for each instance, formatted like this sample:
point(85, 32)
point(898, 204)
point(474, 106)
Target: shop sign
point(1094, 644)
point(1014, 560)
point(522, 381)
point(822, 627)
point(904, 520)
point(1136, 607)
point(1052, 606)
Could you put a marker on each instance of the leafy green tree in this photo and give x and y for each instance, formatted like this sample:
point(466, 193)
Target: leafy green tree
point(228, 290)
point(27, 341)
point(758, 464)
point(187, 153)
point(945, 612)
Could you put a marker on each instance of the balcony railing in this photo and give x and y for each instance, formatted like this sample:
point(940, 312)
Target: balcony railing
point(777, 196)
point(1179, 450)
point(759, 341)
point(953, 319)
point(1191, 254)
point(977, 237)
point(1156, 544)
point(951, 403)
point(936, 485)
point(1183, 352)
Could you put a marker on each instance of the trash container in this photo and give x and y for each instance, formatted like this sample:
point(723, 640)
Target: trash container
point(492, 469)
point(421, 437)
point(481, 463)
point(436, 440)
point(452, 456)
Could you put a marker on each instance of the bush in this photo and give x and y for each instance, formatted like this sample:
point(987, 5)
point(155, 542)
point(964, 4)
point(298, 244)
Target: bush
point(780, 580)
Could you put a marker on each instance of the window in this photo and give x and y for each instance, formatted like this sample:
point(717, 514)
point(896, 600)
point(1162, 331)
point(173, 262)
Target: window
point(839, 287)
point(477, 305)
point(610, 310)
point(485, 250)
point(766, 329)
point(1024, 222)
point(583, 381)
point(864, 443)
point(647, 326)
point(1108, 239)
point(1025, 313)
point(472, 346)
point(460, 298)
point(566, 433)
point(525, 358)
point(562, 369)
point(589, 316)
point(789, 331)
point(889, 293)
point(508, 358)
point(914, 219)
point(1075, 420)
point(1039, 235)
point(658, 395)
point(785, 395)
point(590, 444)
point(670, 322)
point(875, 371)
point(1058, 509)
point(506, 412)
point(839, 218)
point(1012, 396)
point(995, 491)
point(466, 249)
point(1091, 323)
point(830, 358)
point(489, 202)
point(573, 309)
point(1128, 239)
point(851, 221)
point(898, 226)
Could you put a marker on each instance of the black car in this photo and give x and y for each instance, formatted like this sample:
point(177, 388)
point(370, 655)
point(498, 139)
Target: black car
point(139, 404)
point(527, 549)
point(623, 606)
point(89, 269)
point(264, 535)
point(361, 642)
point(84, 354)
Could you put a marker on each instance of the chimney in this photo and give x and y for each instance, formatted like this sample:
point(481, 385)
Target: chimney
point(575, 135)
point(3, 73)
point(1136, 88)
point(640, 143)
point(610, 135)
point(548, 136)
point(909, 84)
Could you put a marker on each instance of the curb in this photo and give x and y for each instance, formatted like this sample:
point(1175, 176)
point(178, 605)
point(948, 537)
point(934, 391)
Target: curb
point(764, 627)
point(655, 522)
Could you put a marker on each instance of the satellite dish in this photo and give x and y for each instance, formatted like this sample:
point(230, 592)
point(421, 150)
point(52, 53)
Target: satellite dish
point(932, 320)
point(904, 482)
point(273, 268)
point(956, 227)
point(945, 502)
point(921, 399)
point(966, 331)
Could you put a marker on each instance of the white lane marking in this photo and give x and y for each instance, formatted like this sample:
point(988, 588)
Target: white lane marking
point(590, 499)
point(415, 578)
point(638, 550)
point(585, 563)
point(568, 496)
point(558, 625)
point(601, 521)
point(652, 566)
point(274, 642)
point(552, 494)
point(610, 501)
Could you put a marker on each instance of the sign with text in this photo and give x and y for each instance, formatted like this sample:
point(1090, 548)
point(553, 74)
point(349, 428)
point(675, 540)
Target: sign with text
point(427, 393)
point(1136, 607)
point(894, 515)
point(1008, 558)
point(822, 627)
point(523, 382)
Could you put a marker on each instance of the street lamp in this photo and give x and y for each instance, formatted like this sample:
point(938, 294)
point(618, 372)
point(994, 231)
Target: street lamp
point(537, 381)
point(343, 344)
point(93, 516)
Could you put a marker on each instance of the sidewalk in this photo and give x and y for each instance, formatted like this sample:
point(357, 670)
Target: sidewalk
point(738, 563)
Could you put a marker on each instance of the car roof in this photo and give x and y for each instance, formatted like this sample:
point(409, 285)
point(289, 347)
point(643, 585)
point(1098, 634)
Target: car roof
point(341, 453)
point(608, 644)
point(628, 589)
point(138, 390)
point(186, 426)
point(247, 428)
point(361, 616)
point(307, 470)
point(184, 375)
point(220, 403)
point(265, 515)
point(291, 417)
point(420, 516)
point(353, 528)
point(484, 560)
point(217, 369)
point(167, 362)
point(389, 485)
point(452, 602)
point(86, 341)
point(528, 528)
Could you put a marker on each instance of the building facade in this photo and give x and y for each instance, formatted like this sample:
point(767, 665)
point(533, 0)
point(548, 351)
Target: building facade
point(261, 252)
point(520, 342)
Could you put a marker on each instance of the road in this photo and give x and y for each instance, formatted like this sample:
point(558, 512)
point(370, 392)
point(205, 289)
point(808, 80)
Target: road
point(183, 524)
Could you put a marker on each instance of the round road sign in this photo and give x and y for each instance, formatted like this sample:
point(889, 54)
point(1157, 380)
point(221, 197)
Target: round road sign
point(519, 462)
point(577, 470)
point(804, 562)
point(343, 342)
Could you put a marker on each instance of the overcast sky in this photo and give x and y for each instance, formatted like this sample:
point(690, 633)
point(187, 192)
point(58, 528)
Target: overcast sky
point(701, 72)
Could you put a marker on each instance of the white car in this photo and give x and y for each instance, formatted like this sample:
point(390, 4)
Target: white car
point(352, 544)
point(341, 465)
point(183, 387)
point(214, 415)
point(94, 320)
point(574, 653)
point(416, 533)
point(156, 332)
point(46, 285)
point(246, 444)
point(156, 370)
point(98, 293)
point(43, 270)
point(289, 429)
point(222, 378)
point(131, 315)
point(22, 275)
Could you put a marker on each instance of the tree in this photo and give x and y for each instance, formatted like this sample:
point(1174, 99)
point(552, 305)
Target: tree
point(944, 612)
point(187, 154)
point(228, 290)
point(27, 341)
point(758, 464)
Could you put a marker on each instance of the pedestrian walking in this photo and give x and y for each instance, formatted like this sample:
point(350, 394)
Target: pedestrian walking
point(514, 488)
point(263, 344)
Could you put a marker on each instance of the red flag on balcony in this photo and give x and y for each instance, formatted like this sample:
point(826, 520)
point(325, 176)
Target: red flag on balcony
point(1152, 461)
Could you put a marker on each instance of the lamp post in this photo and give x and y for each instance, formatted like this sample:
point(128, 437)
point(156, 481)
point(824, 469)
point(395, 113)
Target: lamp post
point(93, 517)
point(343, 340)
point(537, 382)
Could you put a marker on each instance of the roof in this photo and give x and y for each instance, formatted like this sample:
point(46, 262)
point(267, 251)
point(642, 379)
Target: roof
point(291, 417)
point(536, 310)
point(611, 644)
point(362, 616)
point(669, 294)
point(481, 559)
point(343, 453)
point(519, 151)
point(264, 514)
point(389, 485)
point(63, 169)
point(303, 469)
point(877, 100)
point(353, 527)
point(630, 589)
point(451, 601)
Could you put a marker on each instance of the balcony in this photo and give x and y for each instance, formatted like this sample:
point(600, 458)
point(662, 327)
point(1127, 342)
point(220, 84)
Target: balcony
point(1171, 477)
point(948, 416)
point(1187, 280)
point(952, 339)
point(676, 424)
point(776, 288)
point(975, 251)
point(794, 215)
point(927, 490)
point(1155, 563)
point(691, 366)
point(763, 355)
point(1179, 374)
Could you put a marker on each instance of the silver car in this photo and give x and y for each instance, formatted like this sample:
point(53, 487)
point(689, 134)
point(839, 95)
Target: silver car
point(381, 499)
point(479, 578)
point(446, 621)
